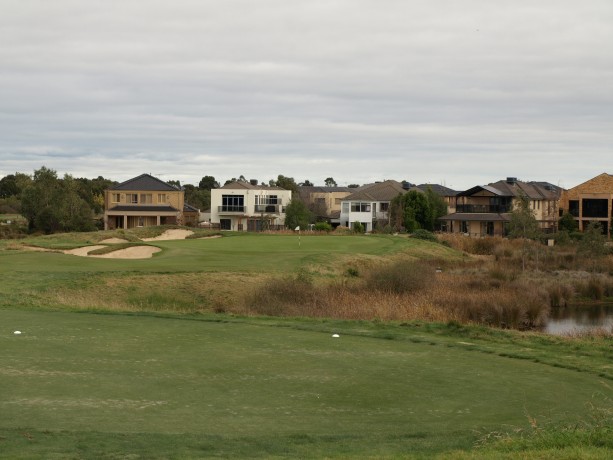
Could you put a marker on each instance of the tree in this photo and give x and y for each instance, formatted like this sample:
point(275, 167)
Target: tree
point(330, 182)
point(51, 204)
point(13, 184)
point(297, 215)
point(438, 208)
point(288, 183)
point(306, 183)
point(353, 186)
point(413, 209)
point(523, 224)
point(593, 243)
point(208, 183)
point(567, 223)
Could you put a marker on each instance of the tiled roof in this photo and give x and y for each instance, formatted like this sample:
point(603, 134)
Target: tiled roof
point(379, 191)
point(438, 189)
point(145, 182)
point(248, 186)
point(516, 188)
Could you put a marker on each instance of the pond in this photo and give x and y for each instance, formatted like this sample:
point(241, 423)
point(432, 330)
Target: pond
point(580, 318)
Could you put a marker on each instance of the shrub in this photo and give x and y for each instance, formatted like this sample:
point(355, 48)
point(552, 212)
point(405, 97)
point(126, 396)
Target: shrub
point(358, 227)
point(323, 227)
point(400, 277)
point(422, 234)
point(485, 246)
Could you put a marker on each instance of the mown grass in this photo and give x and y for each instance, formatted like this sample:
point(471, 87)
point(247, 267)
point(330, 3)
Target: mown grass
point(210, 386)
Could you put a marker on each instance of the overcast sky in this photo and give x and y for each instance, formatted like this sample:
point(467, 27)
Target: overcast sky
point(455, 92)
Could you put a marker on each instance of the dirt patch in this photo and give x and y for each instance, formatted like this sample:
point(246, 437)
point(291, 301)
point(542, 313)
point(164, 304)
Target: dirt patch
point(173, 234)
point(114, 241)
point(209, 237)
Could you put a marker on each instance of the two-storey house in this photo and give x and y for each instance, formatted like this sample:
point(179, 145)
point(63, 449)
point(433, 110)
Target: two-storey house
point(146, 201)
point(324, 202)
point(244, 206)
point(370, 204)
point(485, 210)
point(591, 201)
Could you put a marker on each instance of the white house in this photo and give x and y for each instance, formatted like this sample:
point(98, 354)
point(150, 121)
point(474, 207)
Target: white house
point(245, 206)
point(370, 204)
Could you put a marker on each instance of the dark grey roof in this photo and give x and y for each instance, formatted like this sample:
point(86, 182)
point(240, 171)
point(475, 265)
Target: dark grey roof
point(323, 189)
point(440, 190)
point(143, 208)
point(145, 182)
point(516, 188)
point(189, 208)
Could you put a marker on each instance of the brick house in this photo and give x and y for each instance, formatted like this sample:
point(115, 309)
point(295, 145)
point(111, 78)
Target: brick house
point(591, 201)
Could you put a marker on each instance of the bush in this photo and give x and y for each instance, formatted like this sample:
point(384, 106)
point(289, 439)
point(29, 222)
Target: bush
point(422, 234)
point(323, 227)
point(400, 277)
point(358, 227)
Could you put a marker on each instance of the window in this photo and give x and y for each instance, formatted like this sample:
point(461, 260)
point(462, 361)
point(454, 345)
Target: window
point(132, 198)
point(345, 207)
point(115, 197)
point(595, 207)
point(384, 207)
point(162, 197)
point(463, 226)
point(146, 198)
point(266, 199)
point(232, 203)
point(573, 207)
point(360, 207)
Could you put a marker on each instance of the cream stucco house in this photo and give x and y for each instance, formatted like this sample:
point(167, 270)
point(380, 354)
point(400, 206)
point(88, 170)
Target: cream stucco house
point(244, 206)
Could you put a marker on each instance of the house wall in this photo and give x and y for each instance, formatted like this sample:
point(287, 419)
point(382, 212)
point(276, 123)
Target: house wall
point(597, 188)
point(249, 218)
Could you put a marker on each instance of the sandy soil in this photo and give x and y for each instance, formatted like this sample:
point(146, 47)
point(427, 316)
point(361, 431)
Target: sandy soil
point(135, 252)
point(114, 241)
point(174, 234)
point(83, 251)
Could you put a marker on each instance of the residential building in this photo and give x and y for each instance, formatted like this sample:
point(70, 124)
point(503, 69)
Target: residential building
point(325, 202)
point(591, 201)
point(245, 206)
point(146, 201)
point(370, 204)
point(485, 210)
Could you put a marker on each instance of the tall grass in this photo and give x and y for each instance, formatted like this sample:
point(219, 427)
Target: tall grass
point(408, 290)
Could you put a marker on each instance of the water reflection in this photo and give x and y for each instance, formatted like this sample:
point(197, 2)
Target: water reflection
point(580, 318)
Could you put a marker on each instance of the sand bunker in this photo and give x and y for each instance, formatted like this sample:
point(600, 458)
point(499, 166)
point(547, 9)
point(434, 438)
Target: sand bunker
point(174, 234)
point(114, 241)
point(134, 252)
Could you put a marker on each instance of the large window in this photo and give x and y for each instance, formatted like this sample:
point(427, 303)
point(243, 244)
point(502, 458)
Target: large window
point(345, 208)
point(573, 208)
point(595, 208)
point(360, 207)
point(115, 197)
point(132, 198)
point(232, 203)
point(161, 198)
point(146, 198)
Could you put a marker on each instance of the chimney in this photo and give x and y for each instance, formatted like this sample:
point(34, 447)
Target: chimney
point(253, 181)
point(511, 180)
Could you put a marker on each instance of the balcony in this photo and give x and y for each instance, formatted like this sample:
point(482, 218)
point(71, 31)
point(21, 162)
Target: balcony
point(268, 208)
point(231, 209)
point(482, 208)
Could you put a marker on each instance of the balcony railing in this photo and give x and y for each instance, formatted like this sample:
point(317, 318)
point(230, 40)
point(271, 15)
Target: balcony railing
point(482, 208)
point(268, 208)
point(229, 209)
